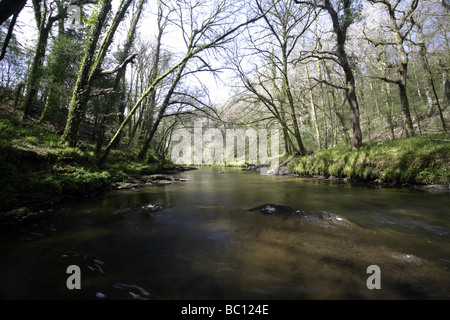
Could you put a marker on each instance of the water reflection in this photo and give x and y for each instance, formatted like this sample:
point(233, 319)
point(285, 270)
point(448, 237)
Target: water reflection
point(207, 245)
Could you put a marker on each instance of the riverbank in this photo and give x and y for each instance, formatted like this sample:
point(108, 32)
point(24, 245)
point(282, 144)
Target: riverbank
point(40, 172)
point(414, 161)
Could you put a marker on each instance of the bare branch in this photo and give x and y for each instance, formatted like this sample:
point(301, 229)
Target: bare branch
point(386, 79)
point(127, 60)
point(329, 83)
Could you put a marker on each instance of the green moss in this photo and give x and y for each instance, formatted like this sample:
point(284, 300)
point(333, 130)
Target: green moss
point(416, 160)
point(36, 167)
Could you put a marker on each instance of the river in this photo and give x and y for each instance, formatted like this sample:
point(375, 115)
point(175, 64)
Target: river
point(206, 244)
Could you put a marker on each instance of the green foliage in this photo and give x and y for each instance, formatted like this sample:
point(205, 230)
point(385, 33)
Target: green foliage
point(417, 160)
point(36, 167)
point(77, 181)
point(62, 60)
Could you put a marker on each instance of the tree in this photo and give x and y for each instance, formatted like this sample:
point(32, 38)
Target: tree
point(267, 70)
point(162, 19)
point(116, 100)
point(400, 26)
point(12, 24)
point(46, 13)
point(209, 33)
point(283, 21)
point(44, 18)
point(342, 16)
point(90, 68)
point(59, 75)
point(9, 8)
point(430, 87)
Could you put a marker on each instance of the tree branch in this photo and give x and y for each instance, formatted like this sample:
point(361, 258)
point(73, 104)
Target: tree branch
point(127, 60)
point(10, 32)
point(329, 83)
point(386, 79)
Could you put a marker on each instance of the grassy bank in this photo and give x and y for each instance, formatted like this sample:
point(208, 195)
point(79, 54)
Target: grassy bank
point(37, 170)
point(416, 160)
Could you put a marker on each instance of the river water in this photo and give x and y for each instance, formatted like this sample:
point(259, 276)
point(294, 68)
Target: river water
point(206, 244)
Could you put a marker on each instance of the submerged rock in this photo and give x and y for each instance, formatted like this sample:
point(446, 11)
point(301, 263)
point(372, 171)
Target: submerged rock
point(154, 177)
point(125, 185)
point(265, 169)
point(408, 258)
point(318, 218)
point(16, 215)
point(147, 180)
point(163, 180)
point(255, 167)
point(140, 209)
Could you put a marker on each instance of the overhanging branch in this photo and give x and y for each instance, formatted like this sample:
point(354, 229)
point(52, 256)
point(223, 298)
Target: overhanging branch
point(127, 60)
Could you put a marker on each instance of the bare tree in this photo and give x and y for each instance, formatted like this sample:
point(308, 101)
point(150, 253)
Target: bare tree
point(216, 24)
point(342, 15)
point(400, 24)
point(267, 72)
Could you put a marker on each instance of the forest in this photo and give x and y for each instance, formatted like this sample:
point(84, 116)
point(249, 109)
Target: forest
point(224, 150)
point(92, 91)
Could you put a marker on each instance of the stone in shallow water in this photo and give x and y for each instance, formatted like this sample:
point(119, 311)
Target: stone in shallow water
point(149, 209)
point(318, 218)
point(125, 185)
point(408, 258)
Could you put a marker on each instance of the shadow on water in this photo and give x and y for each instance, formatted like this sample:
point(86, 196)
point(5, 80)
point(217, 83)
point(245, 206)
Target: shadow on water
point(206, 244)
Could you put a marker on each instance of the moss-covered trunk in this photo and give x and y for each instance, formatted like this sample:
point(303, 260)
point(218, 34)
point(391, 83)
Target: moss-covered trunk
point(81, 91)
point(90, 68)
point(35, 74)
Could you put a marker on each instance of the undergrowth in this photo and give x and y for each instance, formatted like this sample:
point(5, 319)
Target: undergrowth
point(414, 160)
point(36, 167)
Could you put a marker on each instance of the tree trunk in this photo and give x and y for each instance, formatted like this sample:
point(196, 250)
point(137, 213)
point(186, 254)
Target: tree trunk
point(313, 110)
point(446, 85)
point(154, 73)
point(10, 7)
point(161, 113)
point(117, 98)
point(90, 68)
point(340, 28)
point(432, 97)
point(287, 91)
point(10, 29)
point(404, 102)
point(35, 71)
point(403, 73)
point(388, 112)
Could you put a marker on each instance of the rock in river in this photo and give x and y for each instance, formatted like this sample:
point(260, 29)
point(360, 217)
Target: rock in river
point(318, 218)
point(140, 209)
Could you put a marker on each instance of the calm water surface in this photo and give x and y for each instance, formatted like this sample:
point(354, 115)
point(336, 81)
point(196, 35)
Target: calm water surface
point(207, 244)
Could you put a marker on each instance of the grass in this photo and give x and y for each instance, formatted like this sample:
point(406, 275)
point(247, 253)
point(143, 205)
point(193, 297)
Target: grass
point(415, 160)
point(37, 169)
